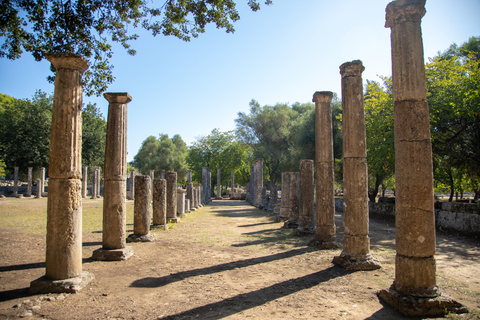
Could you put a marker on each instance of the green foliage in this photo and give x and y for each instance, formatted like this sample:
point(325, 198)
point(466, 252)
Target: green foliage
point(90, 28)
point(25, 131)
point(220, 150)
point(380, 139)
point(162, 154)
point(94, 131)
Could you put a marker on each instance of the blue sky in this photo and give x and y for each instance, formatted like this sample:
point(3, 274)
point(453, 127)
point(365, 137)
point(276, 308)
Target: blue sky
point(282, 53)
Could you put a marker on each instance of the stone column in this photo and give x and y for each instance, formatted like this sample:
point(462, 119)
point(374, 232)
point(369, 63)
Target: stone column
point(152, 176)
point(232, 180)
point(190, 196)
point(15, 181)
point(181, 202)
point(29, 181)
point(200, 195)
point(210, 185)
point(98, 180)
point(94, 184)
point(356, 243)
point(39, 191)
point(285, 200)
point(306, 223)
point(132, 185)
point(219, 185)
point(115, 181)
point(160, 203)
point(273, 196)
point(187, 206)
point(172, 196)
point(162, 176)
point(205, 184)
point(84, 182)
point(294, 193)
point(414, 291)
point(258, 181)
point(252, 184)
point(64, 207)
point(325, 207)
point(142, 211)
point(42, 180)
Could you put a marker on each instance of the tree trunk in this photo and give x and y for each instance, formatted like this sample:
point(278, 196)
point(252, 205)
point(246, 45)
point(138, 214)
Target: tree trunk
point(452, 189)
point(372, 193)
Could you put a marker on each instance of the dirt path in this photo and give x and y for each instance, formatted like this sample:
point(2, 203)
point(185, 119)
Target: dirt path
point(226, 260)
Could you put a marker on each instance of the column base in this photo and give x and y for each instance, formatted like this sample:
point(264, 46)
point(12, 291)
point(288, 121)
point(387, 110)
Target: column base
point(193, 209)
point(112, 254)
point(159, 226)
point(411, 306)
point(319, 244)
point(27, 195)
point(360, 262)
point(290, 225)
point(71, 285)
point(218, 198)
point(141, 237)
point(304, 231)
point(173, 220)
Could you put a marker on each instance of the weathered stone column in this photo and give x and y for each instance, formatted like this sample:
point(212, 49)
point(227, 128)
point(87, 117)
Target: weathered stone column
point(94, 184)
point(356, 243)
point(181, 202)
point(152, 176)
point(252, 184)
point(232, 180)
point(190, 196)
point(294, 194)
point(39, 191)
point(42, 180)
point(258, 181)
point(162, 176)
point(115, 181)
point(219, 185)
point(325, 207)
point(210, 194)
point(205, 184)
point(29, 181)
point(273, 196)
point(84, 182)
point(132, 185)
point(414, 291)
point(285, 200)
point(187, 206)
point(98, 180)
point(15, 181)
point(171, 178)
point(306, 223)
point(200, 195)
point(197, 195)
point(142, 210)
point(64, 207)
point(160, 203)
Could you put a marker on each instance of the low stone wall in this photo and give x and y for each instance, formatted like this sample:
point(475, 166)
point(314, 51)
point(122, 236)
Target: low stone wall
point(238, 196)
point(463, 218)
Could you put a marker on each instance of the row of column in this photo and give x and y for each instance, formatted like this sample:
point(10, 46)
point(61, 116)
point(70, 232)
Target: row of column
point(40, 182)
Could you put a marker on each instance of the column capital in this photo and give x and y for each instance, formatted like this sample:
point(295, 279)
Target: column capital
point(322, 96)
point(352, 69)
point(117, 97)
point(68, 61)
point(401, 11)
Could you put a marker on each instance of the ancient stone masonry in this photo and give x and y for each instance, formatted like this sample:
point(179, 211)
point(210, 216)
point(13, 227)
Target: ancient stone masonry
point(94, 184)
point(64, 207)
point(142, 210)
point(356, 243)
point(171, 178)
point(219, 185)
point(181, 202)
point(209, 185)
point(258, 182)
point(232, 181)
point(131, 195)
point(84, 182)
point(39, 191)
point(42, 181)
point(160, 203)
point(190, 195)
point(98, 181)
point(306, 223)
point(29, 185)
point(162, 176)
point(414, 291)
point(294, 195)
point(205, 184)
point(115, 184)
point(324, 176)
point(285, 201)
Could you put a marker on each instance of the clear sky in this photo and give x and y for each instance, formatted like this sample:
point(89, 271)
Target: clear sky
point(282, 53)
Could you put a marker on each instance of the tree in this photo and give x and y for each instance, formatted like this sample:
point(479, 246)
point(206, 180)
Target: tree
point(94, 131)
point(220, 150)
point(90, 28)
point(379, 129)
point(162, 154)
point(25, 131)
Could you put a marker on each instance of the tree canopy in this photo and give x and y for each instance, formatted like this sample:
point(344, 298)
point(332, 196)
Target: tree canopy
point(90, 28)
point(94, 132)
point(162, 154)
